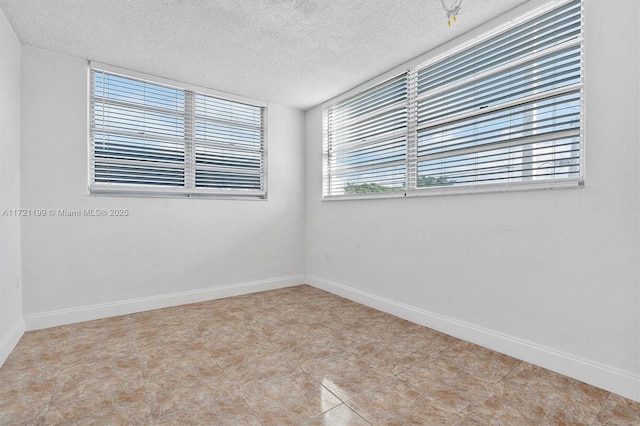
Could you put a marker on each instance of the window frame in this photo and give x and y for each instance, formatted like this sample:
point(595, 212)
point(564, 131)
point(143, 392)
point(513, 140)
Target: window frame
point(160, 191)
point(510, 21)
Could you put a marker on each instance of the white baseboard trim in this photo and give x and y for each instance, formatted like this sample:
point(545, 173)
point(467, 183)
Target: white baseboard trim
point(599, 375)
point(8, 342)
point(124, 307)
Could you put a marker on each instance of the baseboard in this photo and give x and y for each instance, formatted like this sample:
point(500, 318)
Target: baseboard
point(8, 342)
point(124, 307)
point(602, 376)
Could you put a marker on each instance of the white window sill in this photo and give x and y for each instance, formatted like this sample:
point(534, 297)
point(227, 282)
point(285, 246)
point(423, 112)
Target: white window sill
point(176, 193)
point(466, 189)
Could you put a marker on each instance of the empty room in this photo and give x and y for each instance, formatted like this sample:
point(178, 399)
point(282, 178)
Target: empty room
point(338, 212)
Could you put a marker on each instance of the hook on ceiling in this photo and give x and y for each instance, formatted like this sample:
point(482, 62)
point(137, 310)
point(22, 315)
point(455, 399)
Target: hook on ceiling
point(452, 11)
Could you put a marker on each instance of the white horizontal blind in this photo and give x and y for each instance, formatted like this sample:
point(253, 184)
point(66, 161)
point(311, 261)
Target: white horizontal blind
point(505, 110)
point(367, 134)
point(153, 138)
point(228, 144)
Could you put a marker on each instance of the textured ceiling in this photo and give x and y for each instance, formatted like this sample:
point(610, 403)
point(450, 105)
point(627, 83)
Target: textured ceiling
point(294, 52)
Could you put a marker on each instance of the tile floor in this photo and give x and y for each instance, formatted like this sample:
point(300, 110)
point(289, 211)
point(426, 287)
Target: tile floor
point(290, 356)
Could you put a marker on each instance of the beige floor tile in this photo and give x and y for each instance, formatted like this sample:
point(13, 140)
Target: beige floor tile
point(392, 357)
point(312, 317)
point(310, 348)
point(206, 314)
point(99, 395)
point(28, 377)
point(280, 331)
point(231, 339)
point(347, 375)
point(151, 336)
point(163, 373)
point(202, 326)
point(421, 339)
point(399, 403)
point(290, 399)
point(247, 370)
point(37, 354)
point(114, 325)
point(24, 401)
point(257, 314)
point(341, 415)
point(119, 383)
point(444, 383)
point(156, 353)
point(99, 413)
point(483, 363)
point(19, 370)
point(220, 400)
point(619, 411)
point(350, 340)
point(166, 316)
point(42, 343)
point(207, 416)
point(532, 395)
point(100, 351)
point(495, 414)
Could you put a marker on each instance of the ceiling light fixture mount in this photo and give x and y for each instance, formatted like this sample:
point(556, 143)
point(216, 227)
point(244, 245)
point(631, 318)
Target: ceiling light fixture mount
point(452, 11)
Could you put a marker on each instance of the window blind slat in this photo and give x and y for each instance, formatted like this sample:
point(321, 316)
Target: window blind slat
point(377, 98)
point(550, 115)
point(552, 159)
point(225, 158)
point(387, 152)
point(557, 70)
point(148, 174)
point(370, 130)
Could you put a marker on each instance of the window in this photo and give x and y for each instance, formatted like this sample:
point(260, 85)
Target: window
point(502, 112)
point(153, 138)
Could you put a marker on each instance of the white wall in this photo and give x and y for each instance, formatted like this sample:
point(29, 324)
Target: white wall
point(11, 324)
point(167, 251)
point(548, 276)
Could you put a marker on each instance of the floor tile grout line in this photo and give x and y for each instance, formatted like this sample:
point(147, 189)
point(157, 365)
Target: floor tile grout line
point(346, 403)
point(410, 366)
point(342, 402)
point(235, 386)
point(62, 358)
point(140, 366)
point(604, 403)
point(488, 389)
